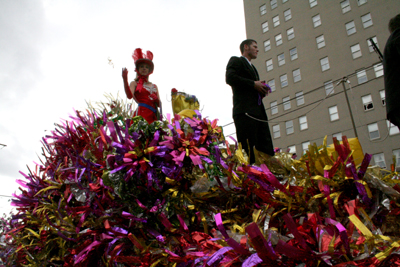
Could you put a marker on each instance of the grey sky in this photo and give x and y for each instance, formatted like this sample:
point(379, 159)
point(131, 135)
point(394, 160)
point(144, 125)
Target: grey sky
point(54, 55)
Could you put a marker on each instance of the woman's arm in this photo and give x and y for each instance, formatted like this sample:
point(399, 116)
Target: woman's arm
point(132, 88)
point(158, 96)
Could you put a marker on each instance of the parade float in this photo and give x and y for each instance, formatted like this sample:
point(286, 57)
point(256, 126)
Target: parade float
point(113, 190)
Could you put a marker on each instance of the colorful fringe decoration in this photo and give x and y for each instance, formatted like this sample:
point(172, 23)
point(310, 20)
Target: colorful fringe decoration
point(113, 190)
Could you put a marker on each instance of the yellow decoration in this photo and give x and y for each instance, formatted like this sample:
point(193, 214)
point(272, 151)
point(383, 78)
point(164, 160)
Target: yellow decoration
point(356, 148)
point(182, 101)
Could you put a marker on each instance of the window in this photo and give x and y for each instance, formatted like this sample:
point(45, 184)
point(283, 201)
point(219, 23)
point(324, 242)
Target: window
point(305, 146)
point(271, 84)
point(362, 76)
point(380, 160)
point(371, 48)
point(284, 81)
point(373, 131)
point(275, 20)
point(351, 28)
point(338, 136)
point(320, 41)
point(316, 20)
point(396, 153)
point(303, 123)
point(289, 127)
point(291, 149)
point(276, 131)
point(378, 68)
point(274, 107)
point(296, 75)
point(313, 3)
point(263, 9)
point(286, 103)
point(267, 45)
point(293, 53)
point(345, 6)
point(269, 64)
point(287, 14)
point(265, 27)
point(299, 98)
point(393, 129)
point(290, 34)
point(278, 39)
point(383, 97)
point(367, 102)
point(361, 2)
point(281, 59)
point(274, 4)
point(367, 20)
point(333, 113)
point(356, 51)
point(329, 87)
point(325, 64)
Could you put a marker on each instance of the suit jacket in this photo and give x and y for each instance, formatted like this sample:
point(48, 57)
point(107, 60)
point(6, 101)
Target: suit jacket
point(391, 68)
point(241, 76)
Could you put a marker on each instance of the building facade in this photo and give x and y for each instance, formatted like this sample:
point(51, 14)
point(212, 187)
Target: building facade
point(315, 52)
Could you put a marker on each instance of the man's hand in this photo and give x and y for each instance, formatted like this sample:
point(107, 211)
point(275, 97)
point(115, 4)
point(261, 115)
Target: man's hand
point(261, 88)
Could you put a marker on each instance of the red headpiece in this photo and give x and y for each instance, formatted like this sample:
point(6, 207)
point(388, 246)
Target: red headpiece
point(141, 58)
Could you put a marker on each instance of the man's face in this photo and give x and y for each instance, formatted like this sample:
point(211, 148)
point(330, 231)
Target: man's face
point(252, 50)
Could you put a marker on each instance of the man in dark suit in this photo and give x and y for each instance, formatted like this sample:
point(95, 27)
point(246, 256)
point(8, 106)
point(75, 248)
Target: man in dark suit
point(249, 115)
point(391, 68)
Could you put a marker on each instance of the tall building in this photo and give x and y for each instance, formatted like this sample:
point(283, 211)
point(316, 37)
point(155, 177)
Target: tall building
point(312, 54)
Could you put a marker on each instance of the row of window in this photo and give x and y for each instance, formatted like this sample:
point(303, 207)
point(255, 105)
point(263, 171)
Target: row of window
point(284, 79)
point(273, 3)
point(372, 130)
point(278, 39)
point(281, 59)
point(333, 111)
point(361, 74)
point(286, 103)
point(320, 40)
point(368, 104)
point(345, 5)
point(350, 26)
point(303, 125)
point(379, 158)
point(355, 51)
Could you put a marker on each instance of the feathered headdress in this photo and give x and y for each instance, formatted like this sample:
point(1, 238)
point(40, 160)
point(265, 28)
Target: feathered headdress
point(141, 58)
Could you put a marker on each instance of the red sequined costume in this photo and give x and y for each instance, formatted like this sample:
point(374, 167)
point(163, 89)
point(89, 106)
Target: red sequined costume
point(147, 102)
point(143, 92)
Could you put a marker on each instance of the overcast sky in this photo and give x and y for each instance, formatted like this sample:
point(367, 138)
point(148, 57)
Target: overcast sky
point(54, 57)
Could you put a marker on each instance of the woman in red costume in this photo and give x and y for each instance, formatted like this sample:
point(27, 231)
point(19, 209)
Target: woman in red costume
point(141, 90)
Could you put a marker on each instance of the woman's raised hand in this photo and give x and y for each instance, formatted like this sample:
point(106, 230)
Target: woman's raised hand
point(125, 73)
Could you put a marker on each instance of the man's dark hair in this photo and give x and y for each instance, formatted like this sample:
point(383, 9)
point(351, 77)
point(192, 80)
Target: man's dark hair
point(246, 42)
point(394, 23)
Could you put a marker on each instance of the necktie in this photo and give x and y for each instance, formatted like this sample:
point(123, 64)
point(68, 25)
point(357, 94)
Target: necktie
point(255, 72)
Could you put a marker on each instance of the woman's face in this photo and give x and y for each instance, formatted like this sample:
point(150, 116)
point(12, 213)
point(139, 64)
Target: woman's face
point(144, 69)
